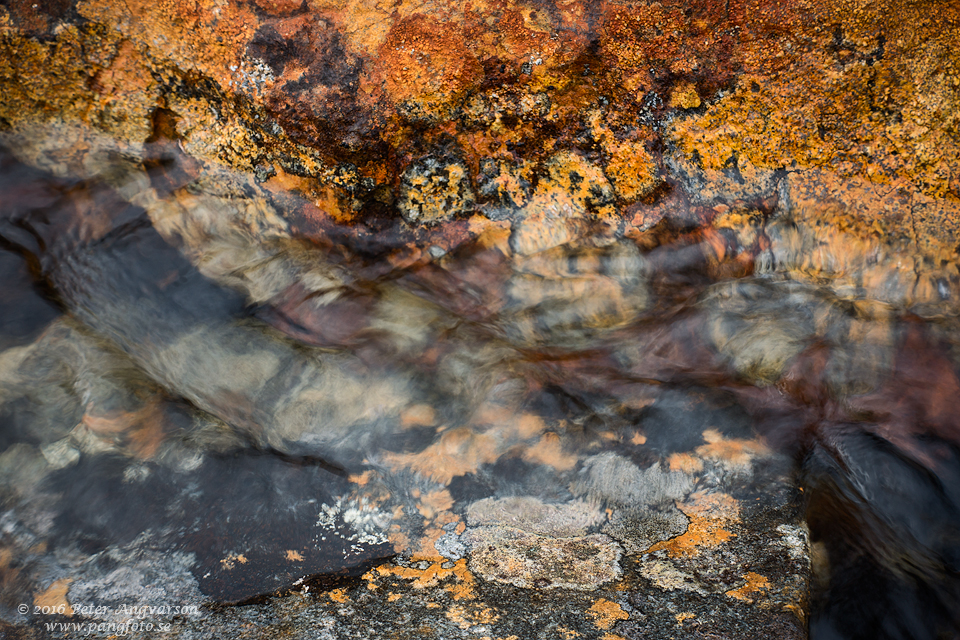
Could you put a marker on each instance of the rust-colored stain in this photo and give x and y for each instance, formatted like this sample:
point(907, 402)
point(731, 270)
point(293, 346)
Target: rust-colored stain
point(605, 613)
point(54, 596)
point(756, 584)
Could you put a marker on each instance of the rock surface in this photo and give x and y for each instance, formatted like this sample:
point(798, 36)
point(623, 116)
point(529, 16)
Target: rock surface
point(443, 320)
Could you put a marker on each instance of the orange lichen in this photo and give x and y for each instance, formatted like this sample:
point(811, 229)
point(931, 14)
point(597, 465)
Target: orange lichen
point(549, 451)
point(685, 96)
point(426, 65)
point(493, 432)
point(54, 596)
point(293, 556)
point(418, 415)
point(685, 462)
point(756, 584)
point(426, 549)
point(471, 615)
point(339, 595)
point(231, 560)
point(682, 617)
point(527, 425)
point(736, 453)
point(207, 36)
point(816, 104)
point(605, 613)
point(456, 453)
point(708, 514)
point(434, 502)
point(578, 179)
point(457, 579)
point(361, 479)
point(631, 169)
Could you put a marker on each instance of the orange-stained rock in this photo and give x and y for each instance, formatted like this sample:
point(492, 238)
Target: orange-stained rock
point(469, 241)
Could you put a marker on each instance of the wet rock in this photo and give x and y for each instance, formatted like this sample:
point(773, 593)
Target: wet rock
point(435, 190)
point(640, 528)
point(485, 261)
point(614, 478)
point(524, 559)
point(529, 514)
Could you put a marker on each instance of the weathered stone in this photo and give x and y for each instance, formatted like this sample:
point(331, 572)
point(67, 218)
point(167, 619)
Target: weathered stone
point(548, 264)
point(434, 190)
point(524, 559)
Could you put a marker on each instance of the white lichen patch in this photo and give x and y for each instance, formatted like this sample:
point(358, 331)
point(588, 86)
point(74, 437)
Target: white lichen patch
point(796, 539)
point(613, 478)
point(368, 524)
point(532, 515)
point(528, 560)
point(666, 576)
point(251, 76)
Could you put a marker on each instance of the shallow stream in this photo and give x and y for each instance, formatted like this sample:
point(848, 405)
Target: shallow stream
point(198, 388)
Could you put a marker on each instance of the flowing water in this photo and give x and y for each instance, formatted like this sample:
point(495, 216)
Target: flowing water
point(189, 371)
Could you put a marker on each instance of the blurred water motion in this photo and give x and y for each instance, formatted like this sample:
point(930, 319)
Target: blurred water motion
point(181, 365)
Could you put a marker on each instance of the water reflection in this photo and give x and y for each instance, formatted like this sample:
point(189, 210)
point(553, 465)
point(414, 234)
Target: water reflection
point(187, 375)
